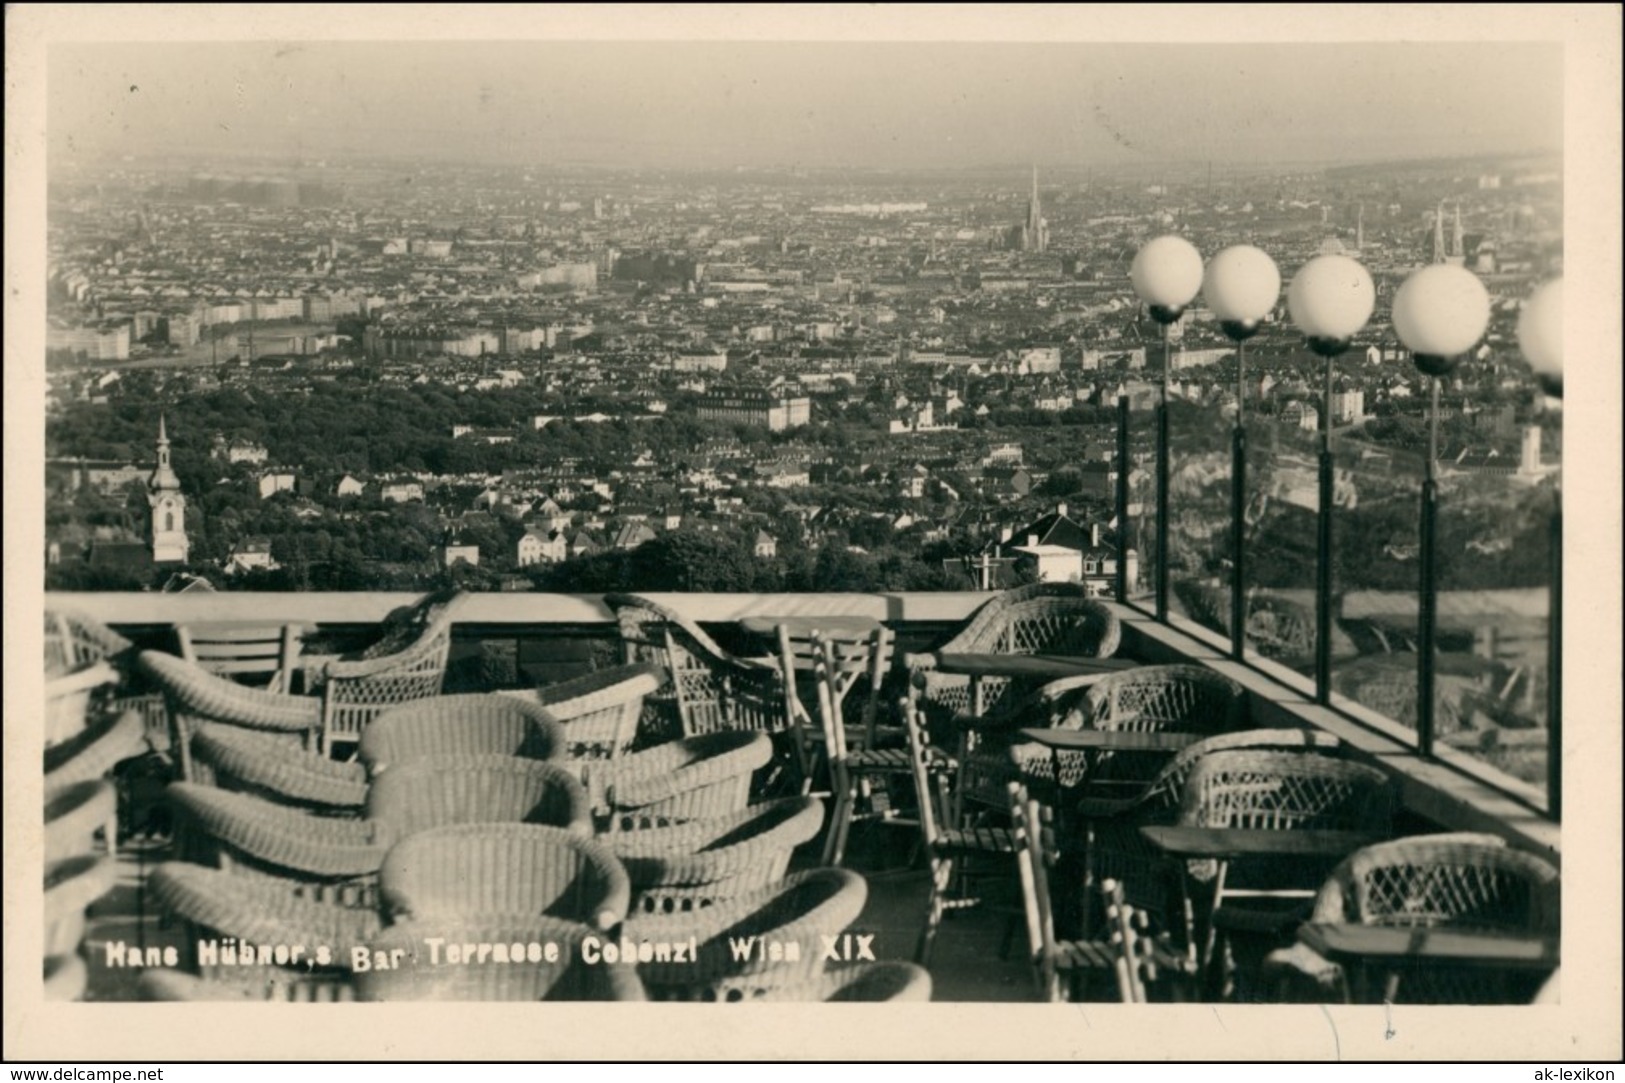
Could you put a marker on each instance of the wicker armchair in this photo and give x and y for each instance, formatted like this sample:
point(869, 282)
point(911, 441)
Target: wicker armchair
point(253, 912)
point(70, 698)
point(478, 724)
point(468, 870)
point(1041, 618)
point(196, 697)
point(1274, 791)
point(408, 664)
point(692, 865)
point(792, 914)
point(275, 768)
point(1454, 881)
point(868, 982)
point(284, 987)
point(710, 689)
point(231, 828)
point(600, 711)
point(1109, 826)
point(1167, 698)
point(854, 983)
point(71, 885)
point(692, 778)
point(423, 961)
point(94, 752)
point(75, 813)
point(66, 978)
point(73, 641)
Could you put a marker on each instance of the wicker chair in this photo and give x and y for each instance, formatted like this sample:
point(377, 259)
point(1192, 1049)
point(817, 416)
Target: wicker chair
point(1166, 698)
point(790, 915)
point(231, 828)
point(253, 911)
point(1277, 791)
point(407, 664)
point(478, 724)
point(196, 697)
point(1041, 618)
point(275, 768)
point(1109, 826)
point(866, 982)
point(71, 885)
point(69, 699)
point(855, 983)
point(692, 865)
point(66, 978)
point(691, 778)
point(710, 689)
point(74, 814)
point(468, 870)
point(287, 987)
point(93, 753)
point(1454, 881)
point(74, 641)
point(600, 711)
point(423, 961)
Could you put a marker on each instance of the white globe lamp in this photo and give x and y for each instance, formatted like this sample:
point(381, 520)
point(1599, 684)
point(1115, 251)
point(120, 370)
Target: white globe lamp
point(1540, 336)
point(1167, 275)
point(1440, 313)
point(1330, 300)
point(1241, 286)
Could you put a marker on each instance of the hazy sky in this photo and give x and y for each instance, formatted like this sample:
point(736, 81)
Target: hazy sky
point(815, 104)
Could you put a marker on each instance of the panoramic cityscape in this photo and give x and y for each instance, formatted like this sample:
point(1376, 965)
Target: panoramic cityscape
point(364, 351)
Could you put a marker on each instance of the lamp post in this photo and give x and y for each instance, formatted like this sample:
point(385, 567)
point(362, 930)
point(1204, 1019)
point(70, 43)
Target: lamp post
point(1439, 313)
point(1540, 336)
point(1167, 275)
point(1330, 300)
point(1241, 286)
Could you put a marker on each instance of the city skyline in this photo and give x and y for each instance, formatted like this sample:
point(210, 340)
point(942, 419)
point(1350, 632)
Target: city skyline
point(813, 105)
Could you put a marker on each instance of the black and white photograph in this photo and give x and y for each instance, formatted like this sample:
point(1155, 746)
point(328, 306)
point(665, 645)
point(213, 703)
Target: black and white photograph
point(1049, 522)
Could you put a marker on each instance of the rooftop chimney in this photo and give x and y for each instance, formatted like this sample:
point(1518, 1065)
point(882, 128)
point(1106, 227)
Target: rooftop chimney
point(1032, 539)
point(1060, 509)
point(1094, 535)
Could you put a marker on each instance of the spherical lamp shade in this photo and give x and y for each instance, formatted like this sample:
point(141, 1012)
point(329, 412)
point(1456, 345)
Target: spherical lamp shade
point(1440, 313)
point(1241, 285)
point(1540, 335)
point(1167, 274)
point(1330, 299)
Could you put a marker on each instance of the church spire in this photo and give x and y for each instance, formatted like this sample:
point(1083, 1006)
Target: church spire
point(164, 476)
point(1035, 237)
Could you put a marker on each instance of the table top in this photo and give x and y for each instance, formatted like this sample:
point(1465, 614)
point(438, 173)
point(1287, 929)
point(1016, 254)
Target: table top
point(1438, 945)
point(800, 626)
point(1040, 666)
point(1229, 842)
point(1116, 740)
